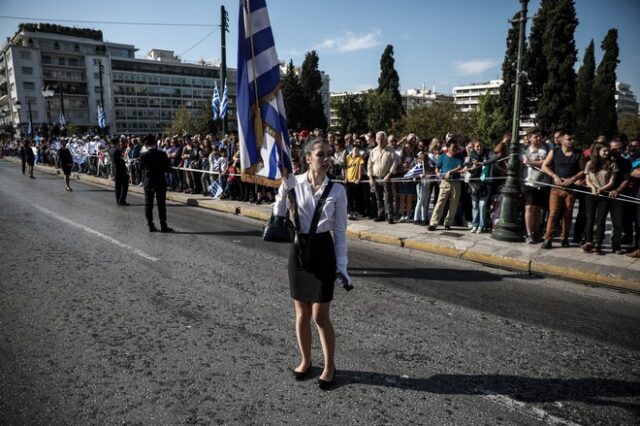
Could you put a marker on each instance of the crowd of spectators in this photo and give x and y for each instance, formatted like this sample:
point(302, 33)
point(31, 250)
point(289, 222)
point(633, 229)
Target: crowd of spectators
point(452, 182)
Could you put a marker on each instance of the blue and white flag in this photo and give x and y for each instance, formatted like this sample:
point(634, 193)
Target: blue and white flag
point(61, 120)
point(416, 171)
point(224, 103)
point(265, 150)
point(102, 119)
point(30, 129)
point(215, 103)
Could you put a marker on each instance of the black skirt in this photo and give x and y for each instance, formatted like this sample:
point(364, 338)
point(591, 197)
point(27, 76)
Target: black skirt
point(315, 283)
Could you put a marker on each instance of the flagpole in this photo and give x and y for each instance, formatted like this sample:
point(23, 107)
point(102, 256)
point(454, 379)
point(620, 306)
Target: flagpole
point(224, 27)
point(257, 122)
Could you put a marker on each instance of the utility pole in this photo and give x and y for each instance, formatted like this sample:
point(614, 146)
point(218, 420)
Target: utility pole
point(224, 28)
point(508, 228)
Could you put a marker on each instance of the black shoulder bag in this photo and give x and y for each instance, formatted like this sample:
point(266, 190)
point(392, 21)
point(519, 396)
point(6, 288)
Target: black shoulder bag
point(304, 243)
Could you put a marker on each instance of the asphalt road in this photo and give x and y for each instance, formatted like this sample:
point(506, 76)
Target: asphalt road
point(102, 322)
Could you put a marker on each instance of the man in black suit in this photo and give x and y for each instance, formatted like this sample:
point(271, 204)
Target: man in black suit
point(154, 164)
point(120, 172)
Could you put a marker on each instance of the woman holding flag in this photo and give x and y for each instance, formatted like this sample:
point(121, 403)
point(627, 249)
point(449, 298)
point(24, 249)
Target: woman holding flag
point(314, 270)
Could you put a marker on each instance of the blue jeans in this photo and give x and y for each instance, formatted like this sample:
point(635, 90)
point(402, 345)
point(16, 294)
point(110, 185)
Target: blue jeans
point(479, 202)
point(422, 205)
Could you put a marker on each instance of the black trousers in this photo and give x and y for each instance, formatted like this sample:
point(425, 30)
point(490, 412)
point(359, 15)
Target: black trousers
point(161, 197)
point(122, 187)
point(596, 211)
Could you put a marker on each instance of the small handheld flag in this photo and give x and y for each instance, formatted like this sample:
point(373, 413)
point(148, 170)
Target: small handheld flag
point(223, 105)
point(215, 103)
point(416, 171)
point(102, 120)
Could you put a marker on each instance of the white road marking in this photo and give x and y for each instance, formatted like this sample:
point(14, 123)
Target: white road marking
point(523, 408)
point(96, 233)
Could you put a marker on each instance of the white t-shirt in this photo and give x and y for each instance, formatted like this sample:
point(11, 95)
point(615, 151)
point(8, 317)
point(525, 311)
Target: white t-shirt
point(529, 175)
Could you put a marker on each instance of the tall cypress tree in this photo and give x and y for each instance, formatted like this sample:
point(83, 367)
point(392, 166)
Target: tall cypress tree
point(509, 70)
point(605, 86)
point(534, 61)
point(311, 83)
point(585, 123)
point(556, 105)
point(389, 88)
point(293, 98)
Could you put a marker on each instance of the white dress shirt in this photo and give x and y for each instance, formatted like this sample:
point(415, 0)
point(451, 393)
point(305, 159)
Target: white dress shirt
point(332, 218)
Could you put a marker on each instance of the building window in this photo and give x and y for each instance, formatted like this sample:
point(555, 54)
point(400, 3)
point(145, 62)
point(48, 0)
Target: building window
point(56, 46)
point(27, 70)
point(61, 61)
point(28, 85)
point(25, 54)
point(73, 62)
point(76, 47)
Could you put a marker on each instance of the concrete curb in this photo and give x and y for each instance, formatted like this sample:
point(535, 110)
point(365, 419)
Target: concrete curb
point(575, 270)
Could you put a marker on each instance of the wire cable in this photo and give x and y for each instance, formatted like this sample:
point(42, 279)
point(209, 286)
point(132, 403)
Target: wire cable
point(167, 24)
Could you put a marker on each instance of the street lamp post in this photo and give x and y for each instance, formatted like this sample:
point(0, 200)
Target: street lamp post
point(30, 125)
point(16, 107)
point(508, 228)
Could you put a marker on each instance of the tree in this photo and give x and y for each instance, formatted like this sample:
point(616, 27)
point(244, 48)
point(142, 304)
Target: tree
point(293, 98)
point(489, 119)
point(509, 71)
point(311, 84)
point(183, 122)
point(585, 122)
point(352, 110)
point(438, 120)
point(629, 124)
point(381, 110)
point(604, 88)
point(556, 105)
point(534, 59)
point(389, 81)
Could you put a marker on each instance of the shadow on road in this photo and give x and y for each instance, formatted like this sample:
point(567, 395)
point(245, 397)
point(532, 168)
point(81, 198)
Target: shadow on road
point(222, 233)
point(440, 274)
point(591, 391)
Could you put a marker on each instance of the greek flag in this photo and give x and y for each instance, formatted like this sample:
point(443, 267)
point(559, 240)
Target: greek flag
point(61, 120)
point(416, 171)
point(223, 104)
point(265, 150)
point(102, 119)
point(215, 103)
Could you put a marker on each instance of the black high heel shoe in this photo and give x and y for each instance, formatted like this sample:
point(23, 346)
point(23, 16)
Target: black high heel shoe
point(302, 375)
point(327, 384)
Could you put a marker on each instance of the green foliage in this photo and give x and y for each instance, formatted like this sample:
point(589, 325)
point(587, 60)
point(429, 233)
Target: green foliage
point(629, 124)
point(438, 120)
point(382, 110)
point(509, 71)
point(534, 60)
point(389, 81)
point(604, 88)
point(293, 98)
point(585, 120)
point(352, 110)
point(185, 121)
point(311, 84)
point(489, 122)
point(556, 105)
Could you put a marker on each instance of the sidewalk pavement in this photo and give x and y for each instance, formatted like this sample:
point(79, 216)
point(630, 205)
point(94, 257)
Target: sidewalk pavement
point(569, 263)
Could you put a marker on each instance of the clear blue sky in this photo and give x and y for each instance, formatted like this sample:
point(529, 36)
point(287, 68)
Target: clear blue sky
point(442, 43)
